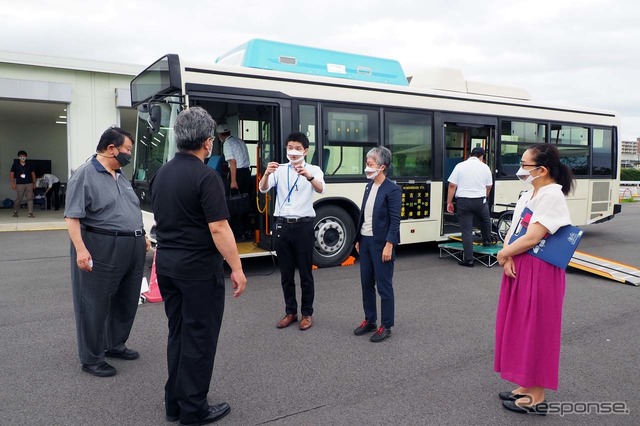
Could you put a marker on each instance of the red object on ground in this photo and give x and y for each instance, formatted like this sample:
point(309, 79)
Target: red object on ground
point(153, 295)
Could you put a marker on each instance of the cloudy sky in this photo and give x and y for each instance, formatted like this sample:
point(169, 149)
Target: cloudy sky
point(566, 52)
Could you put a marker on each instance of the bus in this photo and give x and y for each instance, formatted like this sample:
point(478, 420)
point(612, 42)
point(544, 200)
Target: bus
point(346, 104)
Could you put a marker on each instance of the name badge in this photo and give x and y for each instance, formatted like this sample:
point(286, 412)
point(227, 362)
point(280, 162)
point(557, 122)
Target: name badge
point(23, 176)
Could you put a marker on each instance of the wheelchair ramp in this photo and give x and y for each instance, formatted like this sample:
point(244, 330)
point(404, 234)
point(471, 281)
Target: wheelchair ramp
point(607, 268)
point(248, 249)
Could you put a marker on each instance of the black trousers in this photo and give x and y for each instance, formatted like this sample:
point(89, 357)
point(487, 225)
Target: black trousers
point(240, 224)
point(294, 245)
point(54, 193)
point(106, 299)
point(194, 310)
point(468, 209)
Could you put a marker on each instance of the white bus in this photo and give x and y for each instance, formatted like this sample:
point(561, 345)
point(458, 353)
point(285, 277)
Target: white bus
point(347, 104)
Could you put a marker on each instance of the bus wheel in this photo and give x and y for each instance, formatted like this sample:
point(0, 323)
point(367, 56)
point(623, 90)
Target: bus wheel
point(503, 225)
point(334, 233)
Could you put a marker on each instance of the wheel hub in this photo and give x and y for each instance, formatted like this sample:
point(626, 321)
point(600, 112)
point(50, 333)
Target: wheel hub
point(330, 236)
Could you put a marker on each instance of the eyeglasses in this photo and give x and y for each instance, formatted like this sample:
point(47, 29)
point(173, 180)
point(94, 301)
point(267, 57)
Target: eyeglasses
point(528, 165)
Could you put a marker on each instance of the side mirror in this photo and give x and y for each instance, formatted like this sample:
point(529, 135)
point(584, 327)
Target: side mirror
point(155, 114)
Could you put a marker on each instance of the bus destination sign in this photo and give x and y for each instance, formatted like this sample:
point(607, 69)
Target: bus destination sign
point(415, 200)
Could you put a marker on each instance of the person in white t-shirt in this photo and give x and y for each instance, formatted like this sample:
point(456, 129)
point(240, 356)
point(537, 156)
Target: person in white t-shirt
point(237, 156)
point(471, 183)
point(529, 314)
point(52, 183)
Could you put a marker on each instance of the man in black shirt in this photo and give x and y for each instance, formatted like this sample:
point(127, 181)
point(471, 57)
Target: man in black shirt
point(193, 236)
point(23, 181)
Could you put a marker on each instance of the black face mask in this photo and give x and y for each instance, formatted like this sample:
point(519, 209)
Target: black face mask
point(123, 158)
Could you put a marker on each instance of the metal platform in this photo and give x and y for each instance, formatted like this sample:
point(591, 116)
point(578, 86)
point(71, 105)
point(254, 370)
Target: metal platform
point(482, 254)
point(607, 268)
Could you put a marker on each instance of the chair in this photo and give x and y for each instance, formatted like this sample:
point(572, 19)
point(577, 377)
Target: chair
point(39, 198)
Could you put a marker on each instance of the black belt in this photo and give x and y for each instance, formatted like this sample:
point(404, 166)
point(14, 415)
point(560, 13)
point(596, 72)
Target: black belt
point(294, 219)
point(136, 233)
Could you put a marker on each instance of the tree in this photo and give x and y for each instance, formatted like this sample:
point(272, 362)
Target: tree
point(630, 174)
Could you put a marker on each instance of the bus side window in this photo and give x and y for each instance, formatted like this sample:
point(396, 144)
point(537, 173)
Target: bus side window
point(325, 158)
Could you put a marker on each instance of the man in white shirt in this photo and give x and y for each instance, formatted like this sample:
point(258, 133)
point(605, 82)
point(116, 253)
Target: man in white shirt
point(52, 183)
point(295, 183)
point(237, 156)
point(471, 182)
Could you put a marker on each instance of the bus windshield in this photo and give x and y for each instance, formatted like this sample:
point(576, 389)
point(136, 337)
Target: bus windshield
point(154, 148)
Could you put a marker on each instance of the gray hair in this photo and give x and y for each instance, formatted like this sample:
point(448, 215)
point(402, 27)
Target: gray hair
point(382, 156)
point(192, 128)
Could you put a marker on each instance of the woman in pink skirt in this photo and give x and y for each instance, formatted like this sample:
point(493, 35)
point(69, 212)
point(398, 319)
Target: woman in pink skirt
point(529, 316)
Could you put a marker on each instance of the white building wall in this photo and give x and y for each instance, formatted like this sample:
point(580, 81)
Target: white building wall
point(92, 106)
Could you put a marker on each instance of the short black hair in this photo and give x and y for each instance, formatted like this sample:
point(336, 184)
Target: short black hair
point(478, 151)
point(299, 137)
point(113, 136)
point(21, 152)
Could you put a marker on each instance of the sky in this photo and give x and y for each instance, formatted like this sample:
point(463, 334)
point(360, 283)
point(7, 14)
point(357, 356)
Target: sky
point(582, 53)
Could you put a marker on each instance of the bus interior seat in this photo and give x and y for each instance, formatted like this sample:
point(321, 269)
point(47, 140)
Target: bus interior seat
point(215, 162)
point(450, 164)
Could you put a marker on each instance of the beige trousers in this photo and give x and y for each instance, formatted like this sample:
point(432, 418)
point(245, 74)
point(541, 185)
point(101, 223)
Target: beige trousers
point(22, 190)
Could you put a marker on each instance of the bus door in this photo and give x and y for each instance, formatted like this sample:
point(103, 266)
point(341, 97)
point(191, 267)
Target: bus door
point(460, 137)
point(259, 123)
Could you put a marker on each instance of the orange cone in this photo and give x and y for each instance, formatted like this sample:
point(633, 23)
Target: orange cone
point(153, 295)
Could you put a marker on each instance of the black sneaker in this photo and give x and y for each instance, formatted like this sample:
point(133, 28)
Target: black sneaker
point(381, 334)
point(364, 328)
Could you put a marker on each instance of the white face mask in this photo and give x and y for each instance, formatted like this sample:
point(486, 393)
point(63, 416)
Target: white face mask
point(295, 156)
point(210, 150)
point(371, 173)
point(525, 175)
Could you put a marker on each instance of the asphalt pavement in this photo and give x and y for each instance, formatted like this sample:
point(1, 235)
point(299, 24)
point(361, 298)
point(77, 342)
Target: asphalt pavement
point(437, 368)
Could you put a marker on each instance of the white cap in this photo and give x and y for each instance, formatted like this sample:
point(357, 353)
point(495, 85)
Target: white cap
point(223, 128)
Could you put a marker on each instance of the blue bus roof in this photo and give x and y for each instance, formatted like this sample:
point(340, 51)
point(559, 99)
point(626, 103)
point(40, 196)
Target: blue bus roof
point(273, 55)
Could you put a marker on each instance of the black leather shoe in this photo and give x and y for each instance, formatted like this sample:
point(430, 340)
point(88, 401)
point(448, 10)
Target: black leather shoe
point(381, 334)
point(468, 264)
point(364, 328)
point(510, 396)
point(539, 409)
point(486, 244)
point(216, 412)
point(128, 354)
point(101, 369)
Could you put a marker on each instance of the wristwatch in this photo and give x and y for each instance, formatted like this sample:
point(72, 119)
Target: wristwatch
point(311, 178)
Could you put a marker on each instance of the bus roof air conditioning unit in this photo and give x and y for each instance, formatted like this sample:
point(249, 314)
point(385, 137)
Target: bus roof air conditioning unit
point(277, 56)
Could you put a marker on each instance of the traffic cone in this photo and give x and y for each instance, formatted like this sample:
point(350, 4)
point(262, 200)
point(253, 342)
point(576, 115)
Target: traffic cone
point(153, 295)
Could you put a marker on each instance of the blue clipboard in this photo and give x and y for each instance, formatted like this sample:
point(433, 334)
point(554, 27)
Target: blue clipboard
point(556, 249)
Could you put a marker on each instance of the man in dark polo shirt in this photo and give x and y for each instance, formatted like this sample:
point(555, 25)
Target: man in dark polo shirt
point(107, 253)
point(23, 181)
point(194, 236)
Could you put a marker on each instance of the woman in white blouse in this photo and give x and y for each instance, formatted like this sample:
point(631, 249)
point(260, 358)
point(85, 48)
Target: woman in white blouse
point(529, 314)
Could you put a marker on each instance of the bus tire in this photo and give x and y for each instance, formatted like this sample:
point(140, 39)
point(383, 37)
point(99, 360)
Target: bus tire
point(334, 233)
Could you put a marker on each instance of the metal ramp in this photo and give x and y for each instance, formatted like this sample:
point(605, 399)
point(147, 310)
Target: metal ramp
point(607, 268)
